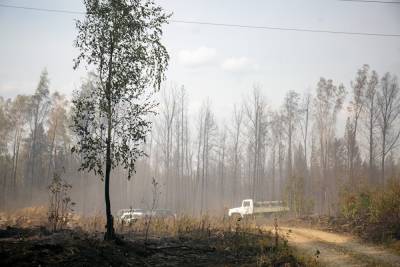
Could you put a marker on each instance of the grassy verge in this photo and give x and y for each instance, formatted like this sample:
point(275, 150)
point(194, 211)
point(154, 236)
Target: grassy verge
point(25, 239)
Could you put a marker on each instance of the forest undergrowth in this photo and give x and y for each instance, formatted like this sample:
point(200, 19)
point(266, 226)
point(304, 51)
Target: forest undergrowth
point(371, 213)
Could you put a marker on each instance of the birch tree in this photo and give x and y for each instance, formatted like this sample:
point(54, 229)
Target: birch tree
point(355, 108)
point(169, 112)
point(291, 114)
point(18, 115)
point(121, 41)
point(255, 110)
point(235, 131)
point(57, 131)
point(327, 103)
point(388, 100)
point(305, 121)
point(370, 118)
point(209, 129)
point(38, 110)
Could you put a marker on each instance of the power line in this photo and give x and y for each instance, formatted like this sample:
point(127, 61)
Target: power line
point(371, 1)
point(286, 29)
point(224, 24)
point(43, 9)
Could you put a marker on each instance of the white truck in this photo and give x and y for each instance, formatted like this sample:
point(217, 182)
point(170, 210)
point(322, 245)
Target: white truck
point(250, 207)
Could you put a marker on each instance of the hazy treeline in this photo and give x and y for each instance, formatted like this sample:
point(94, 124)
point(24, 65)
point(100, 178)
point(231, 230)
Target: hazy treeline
point(34, 143)
point(293, 152)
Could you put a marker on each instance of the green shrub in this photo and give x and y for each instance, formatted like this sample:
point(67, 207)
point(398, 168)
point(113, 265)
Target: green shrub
point(356, 206)
point(374, 214)
point(385, 213)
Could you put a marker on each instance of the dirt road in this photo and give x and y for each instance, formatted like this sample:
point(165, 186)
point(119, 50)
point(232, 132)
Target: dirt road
point(337, 249)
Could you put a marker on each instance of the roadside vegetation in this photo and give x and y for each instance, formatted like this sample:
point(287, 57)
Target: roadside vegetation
point(27, 235)
point(373, 213)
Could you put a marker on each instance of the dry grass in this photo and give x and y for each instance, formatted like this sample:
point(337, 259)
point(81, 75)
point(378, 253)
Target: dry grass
point(395, 246)
point(241, 239)
point(183, 226)
point(26, 217)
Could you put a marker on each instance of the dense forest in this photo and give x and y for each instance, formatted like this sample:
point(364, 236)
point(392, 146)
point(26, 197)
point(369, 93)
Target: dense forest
point(204, 163)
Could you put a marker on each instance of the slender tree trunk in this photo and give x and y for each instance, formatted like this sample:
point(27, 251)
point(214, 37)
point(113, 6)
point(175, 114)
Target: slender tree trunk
point(280, 159)
point(289, 171)
point(273, 172)
point(110, 223)
point(110, 234)
point(203, 167)
point(16, 167)
point(383, 156)
point(198, 160)
point(15, 159)
point(167, 165)
point(235, 176)
point(32, 157)
point(307, 175)
point(4, 193)
point(253, 191)
point(305, 136)
point(222, 175)
point(371, 147)
point(51, 151)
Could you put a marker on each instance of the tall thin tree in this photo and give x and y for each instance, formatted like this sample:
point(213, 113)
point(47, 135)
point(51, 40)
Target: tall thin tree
point(121, 40)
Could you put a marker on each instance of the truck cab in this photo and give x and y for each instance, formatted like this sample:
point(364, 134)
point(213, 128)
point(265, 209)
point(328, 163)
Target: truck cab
point(246, 209)
point(131, 215)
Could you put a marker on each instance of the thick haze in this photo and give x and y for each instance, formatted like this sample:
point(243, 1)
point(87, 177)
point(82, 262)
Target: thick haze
point(216, 62)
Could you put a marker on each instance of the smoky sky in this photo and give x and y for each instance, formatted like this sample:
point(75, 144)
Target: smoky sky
point(219, 63)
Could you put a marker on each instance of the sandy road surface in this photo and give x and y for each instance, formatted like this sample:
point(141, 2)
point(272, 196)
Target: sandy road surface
point(337, 249)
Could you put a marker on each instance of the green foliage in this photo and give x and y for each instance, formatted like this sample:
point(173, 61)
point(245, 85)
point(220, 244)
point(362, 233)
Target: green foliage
point(60, 203)
point(121, 40)
point(374, 214)
point(356, 206)
point(385, 212)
